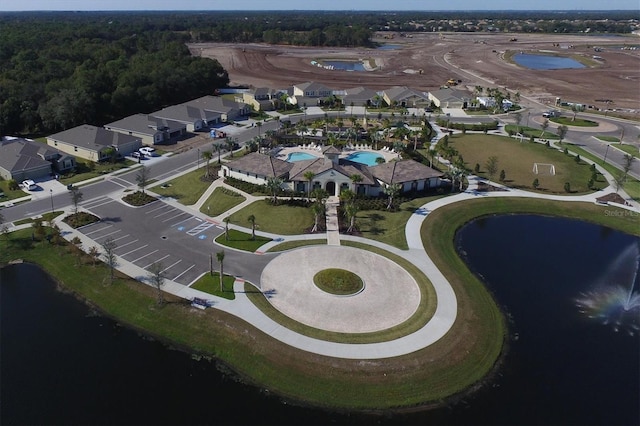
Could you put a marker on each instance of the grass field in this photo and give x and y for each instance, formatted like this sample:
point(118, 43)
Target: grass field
point(632, 186)
point(629, 149)
point(611, 139)
point(290, 245)
point(388, 227)
point(569, 121)
point(211, 284)
point(86, 169)
point(517, 158)
point(187, 189)
point(220, 201)
point(280, 219)
point(242, 241)
point(530, 131)
point(10, 194)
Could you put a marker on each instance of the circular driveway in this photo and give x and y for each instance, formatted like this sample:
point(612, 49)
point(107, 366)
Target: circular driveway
point(390, 295)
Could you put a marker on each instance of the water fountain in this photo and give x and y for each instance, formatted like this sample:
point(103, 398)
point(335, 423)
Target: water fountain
point(617, 302)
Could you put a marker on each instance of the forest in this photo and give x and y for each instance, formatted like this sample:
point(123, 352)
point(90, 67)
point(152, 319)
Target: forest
point(61, 69)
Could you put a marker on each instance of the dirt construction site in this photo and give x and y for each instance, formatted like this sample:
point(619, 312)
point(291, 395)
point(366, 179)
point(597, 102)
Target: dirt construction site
point(427, 61)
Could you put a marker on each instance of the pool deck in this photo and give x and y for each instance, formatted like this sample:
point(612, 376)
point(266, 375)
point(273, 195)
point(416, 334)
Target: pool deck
point(316, 151)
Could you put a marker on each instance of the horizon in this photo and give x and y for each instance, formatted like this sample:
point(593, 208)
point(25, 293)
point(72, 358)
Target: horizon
point(325, 5)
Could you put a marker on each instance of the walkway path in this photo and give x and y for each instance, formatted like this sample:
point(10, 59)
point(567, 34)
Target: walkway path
point(333, 228)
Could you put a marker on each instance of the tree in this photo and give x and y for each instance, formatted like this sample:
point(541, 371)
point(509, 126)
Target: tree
point(391, 191)
point(94, 252)
point(380, 160)
point(274, 185)
point(143, 177)
point(220, 257)
point(76, 197)
point(309, 175)
point(350, 211)
point(259, 126)
point(230, 142)
point(503, 175)
point(217, 147)
point(226, 221)
point(252, 221)
point(567, 187)
point(76, 247)
point(157, 278)
point(536, 183)
point(355, 179)
point(318, 209)
point(207, 156)
point(544, 125)
point(492, 166)
point(109, 246)
point(476, 169)
point(518, 119)
point(4, 228)
point(562, 132)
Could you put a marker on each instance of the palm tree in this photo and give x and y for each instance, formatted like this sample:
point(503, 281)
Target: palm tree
point(252, 221)
point(318, 210)
point(218, 148)
point(380, 160)
point(274, 184)
point(207, 156)
point(309, 175)
point(220, 257)
point(230, 144)
point(259, 126)
point(355, 179)
point(391, 191)
point(544, 126)
point(226, 221)
point(350, 211)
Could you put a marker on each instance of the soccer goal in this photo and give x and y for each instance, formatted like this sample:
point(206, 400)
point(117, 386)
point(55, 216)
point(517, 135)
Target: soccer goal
point(544, 169)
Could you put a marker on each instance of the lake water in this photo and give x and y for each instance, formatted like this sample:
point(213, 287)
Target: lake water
point(543, 62)
point(63, 364)
point(345, 65)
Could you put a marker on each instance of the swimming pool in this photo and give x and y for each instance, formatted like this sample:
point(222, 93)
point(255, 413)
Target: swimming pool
point(364, 157)
point(300, 156)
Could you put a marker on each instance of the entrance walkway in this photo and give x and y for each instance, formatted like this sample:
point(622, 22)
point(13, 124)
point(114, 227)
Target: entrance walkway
point(333, 228)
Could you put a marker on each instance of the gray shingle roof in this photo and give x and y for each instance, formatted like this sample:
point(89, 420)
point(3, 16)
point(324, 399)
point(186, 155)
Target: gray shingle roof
point(92, 137)
point(403, 171)
point(261, 164)
point(145, 124)
point(22, 155)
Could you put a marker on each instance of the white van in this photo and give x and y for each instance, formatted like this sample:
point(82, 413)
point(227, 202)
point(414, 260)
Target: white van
point(29, 185)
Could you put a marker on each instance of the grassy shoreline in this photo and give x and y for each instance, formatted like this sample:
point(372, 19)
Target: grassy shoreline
point(447, 369)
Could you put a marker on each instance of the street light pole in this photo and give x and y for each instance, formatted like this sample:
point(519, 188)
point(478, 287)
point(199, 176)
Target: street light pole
point(605, 155)
point(51, 196)
point(198, 158)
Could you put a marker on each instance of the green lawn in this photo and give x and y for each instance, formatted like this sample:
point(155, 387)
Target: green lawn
point(9, 194)
point(242, 241)
point(569, 121)
point(187, 189)
point(290, 245)
point(280, 219)
point(221, 200)
point(211, 284)
point(629, 149)
point(611, 139)
point(530, 131)
point(388, 227)
point(632, 186)
point(86, 169)
point(517, 158)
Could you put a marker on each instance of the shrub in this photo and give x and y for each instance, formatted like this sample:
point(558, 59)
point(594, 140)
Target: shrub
point(577, 159)
point(503, 175)
point(536, 183)
point(476, 169)
point(566, 151)
point(567, 187)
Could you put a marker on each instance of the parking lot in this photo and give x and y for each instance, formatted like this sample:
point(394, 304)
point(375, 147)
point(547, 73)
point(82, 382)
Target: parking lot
point(172, 236)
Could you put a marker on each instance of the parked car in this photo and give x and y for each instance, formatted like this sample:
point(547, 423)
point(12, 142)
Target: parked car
point(137, 154)
point(147, 150)
point(29, 185)
point(551, 114)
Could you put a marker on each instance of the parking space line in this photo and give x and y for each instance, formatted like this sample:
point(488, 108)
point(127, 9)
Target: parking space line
point(110, 233)
point(126, 244)
point(178, 223)
point(153, 210)
point(119, 238)
point(129, 252)
point(98, 204)
point(169, 267)
point(173, 217)
point(97, 230)
point(167, 212)
point(184, 272)
point(142, 257)
point(159, 260)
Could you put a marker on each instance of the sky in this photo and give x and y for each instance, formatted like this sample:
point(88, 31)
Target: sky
point(422, 5)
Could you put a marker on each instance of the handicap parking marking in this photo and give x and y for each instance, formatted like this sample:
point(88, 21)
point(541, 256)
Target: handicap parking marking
point(202, 237)
point(200, 228)
point(180, 228)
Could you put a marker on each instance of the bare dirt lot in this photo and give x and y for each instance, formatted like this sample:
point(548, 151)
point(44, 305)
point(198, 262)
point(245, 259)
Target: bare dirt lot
point(427, 61)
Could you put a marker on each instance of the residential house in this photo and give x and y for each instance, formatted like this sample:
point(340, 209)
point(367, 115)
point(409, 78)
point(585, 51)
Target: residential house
point(262, 98)
point(449, 98)
point(405, 97)
point(195, 119)
point(94, 143)
point(22, 159)
point(359, 96)
point(490, 102)
point(308, 94)
point(151, 130)
point(226, 109)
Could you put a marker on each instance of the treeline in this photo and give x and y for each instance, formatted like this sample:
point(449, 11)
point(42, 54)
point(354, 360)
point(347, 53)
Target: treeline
point(57, 73)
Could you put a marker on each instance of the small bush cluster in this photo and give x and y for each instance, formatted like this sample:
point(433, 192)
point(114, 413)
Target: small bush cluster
point(467, 126)
point(230, 193)
point(76, 220)
point(138, 198)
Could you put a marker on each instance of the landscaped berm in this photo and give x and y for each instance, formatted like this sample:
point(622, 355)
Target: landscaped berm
point(338, 281)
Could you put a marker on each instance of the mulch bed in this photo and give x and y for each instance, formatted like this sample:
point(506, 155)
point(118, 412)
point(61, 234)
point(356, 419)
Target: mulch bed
point(613, 197)
point(485, 187)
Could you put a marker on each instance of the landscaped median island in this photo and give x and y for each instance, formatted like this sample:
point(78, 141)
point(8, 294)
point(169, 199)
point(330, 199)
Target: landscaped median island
point(462, 358)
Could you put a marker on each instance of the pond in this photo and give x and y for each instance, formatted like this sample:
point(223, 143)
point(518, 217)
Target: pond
point(61, 363)
point(543, 62)
point(344, 65)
